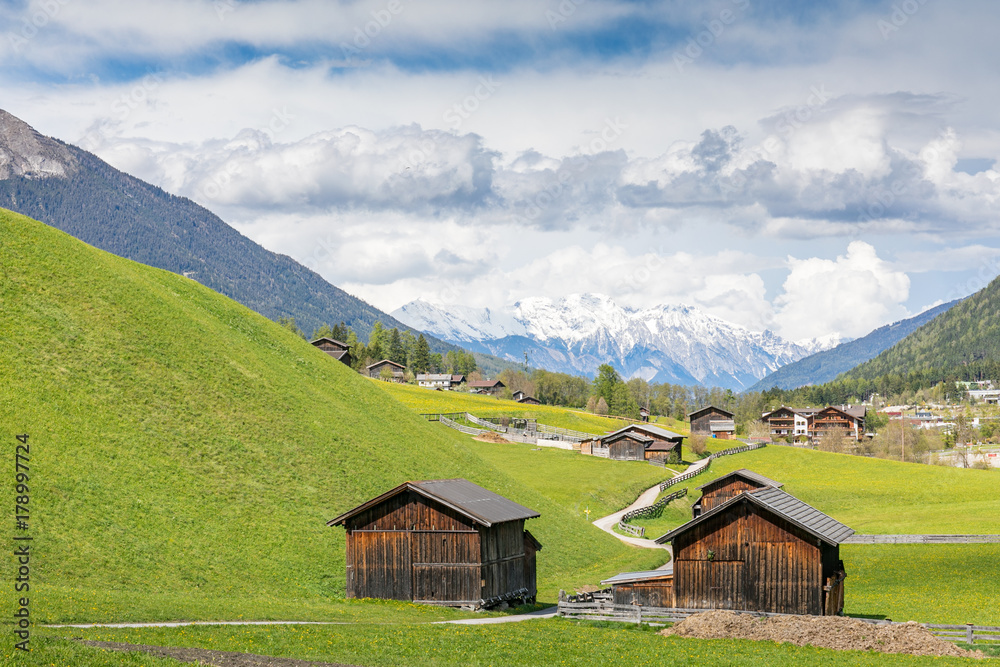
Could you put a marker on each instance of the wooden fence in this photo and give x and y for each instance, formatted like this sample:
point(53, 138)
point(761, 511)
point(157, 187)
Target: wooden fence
point(655, 508)
point(598, 607)
point(566, 433)
point(459, 427)
point(667, 483)
point(635, 531)
point(922, 539)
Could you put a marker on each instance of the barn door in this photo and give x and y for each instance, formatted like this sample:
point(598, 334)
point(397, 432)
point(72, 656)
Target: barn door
point(386, 571)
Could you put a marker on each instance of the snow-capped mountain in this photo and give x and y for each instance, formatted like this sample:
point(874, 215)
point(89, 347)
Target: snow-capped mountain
point(677, 344)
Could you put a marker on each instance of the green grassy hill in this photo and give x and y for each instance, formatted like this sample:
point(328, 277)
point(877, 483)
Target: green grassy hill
point(186, 452)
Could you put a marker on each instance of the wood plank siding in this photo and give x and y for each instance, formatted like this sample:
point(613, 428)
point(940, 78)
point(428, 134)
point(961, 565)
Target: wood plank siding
point(746, 558)
point(405, 545)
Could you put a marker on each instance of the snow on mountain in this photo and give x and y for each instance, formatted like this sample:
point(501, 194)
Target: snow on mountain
point(575, 334)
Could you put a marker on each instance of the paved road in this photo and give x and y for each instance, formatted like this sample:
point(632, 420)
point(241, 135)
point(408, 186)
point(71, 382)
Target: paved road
point(548, 612)
point(647, 498)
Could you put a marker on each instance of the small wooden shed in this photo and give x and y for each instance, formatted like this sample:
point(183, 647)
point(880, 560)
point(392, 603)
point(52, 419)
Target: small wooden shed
point(446, 542)
point(727, 487)
point(335, 348)
point(396, 370)
point(658, 443)
point(651, 588)
point(627, 446)
point(713, 421)
point(763, 550)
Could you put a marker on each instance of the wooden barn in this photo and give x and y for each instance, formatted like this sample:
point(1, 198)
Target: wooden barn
point(485, 386)
point(336, 349)
point(727, 487)
point(396, 370)
point(627, 446)
point(711, 421)
point(658, 443)
point(446, 542)
point(762, 550)
point(652, 588)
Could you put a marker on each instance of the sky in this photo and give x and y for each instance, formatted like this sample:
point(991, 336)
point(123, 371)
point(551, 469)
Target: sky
point(808, 168)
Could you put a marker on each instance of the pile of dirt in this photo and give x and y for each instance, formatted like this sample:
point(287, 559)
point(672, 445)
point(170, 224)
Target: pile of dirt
point(836, 632)
point(490, 436)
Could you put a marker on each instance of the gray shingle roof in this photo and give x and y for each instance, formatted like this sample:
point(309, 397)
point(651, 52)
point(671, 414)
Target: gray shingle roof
point(746, 474)
point(479, 504)
point(783, 505)
point(626, 577)
point(801, 514)
point(646, 428)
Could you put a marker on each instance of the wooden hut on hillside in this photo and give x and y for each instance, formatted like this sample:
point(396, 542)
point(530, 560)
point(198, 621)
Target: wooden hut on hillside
point(711, 421)
point(446, 542)
point(657, 443)
point(727, 487)
point(762, 550)
point(336, 349)
point(390, 369)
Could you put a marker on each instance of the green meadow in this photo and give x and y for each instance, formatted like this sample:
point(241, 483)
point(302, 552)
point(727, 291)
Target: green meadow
point(186, 454)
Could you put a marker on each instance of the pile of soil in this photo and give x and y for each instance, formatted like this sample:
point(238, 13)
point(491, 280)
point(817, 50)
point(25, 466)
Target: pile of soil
point(836, 632)
point(210, 657)
point(490, 436)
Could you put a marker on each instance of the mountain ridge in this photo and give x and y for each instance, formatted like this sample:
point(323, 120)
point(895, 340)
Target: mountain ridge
point(75, 191)
point(826, 365)
point(575, 334)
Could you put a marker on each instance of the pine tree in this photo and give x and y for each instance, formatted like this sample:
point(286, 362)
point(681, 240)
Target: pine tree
point(421, 355)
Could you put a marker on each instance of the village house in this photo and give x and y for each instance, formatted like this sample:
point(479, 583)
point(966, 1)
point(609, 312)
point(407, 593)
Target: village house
point(336, 349)
point(445, 381)
point(813, 423)
point(393, 371)
point(713, 422)
point(760, 550)
point(521, 397)
point(485, 386)
point(445, 542)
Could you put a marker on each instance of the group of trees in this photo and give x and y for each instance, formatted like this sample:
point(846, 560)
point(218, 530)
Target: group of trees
point(414, 352)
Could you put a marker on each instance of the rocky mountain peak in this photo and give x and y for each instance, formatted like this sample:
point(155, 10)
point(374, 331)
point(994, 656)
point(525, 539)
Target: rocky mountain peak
point(25, 152)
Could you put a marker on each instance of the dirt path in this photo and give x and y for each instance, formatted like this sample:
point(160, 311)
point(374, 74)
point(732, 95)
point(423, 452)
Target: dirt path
point(647, 498)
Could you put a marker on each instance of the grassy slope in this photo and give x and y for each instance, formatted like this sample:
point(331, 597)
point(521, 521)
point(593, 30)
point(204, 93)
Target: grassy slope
point(186, 452)
point(424, 401)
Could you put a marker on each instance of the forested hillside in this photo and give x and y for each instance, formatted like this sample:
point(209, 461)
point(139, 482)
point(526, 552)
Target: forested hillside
point(828, 364)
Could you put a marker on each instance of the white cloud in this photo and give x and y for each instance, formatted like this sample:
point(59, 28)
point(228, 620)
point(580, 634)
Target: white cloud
point(851, 295)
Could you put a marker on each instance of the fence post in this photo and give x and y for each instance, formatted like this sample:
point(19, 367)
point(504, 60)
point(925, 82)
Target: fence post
point(968, 633)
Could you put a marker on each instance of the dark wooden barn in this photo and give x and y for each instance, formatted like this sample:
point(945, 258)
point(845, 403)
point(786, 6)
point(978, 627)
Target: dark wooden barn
point(336, 349)
point(627, 446)
point(658, 443)
point(392, 370)
point(763, 550)
point(727, 487)
point(652, 588)
point(447, 542)
point(712, 421)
